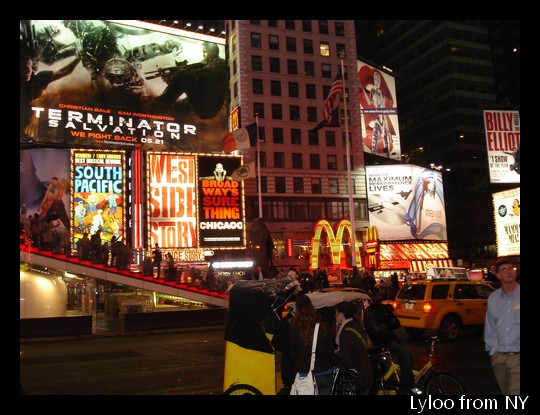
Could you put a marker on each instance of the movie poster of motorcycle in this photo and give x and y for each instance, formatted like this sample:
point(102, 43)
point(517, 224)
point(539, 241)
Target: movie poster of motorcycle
point(123, 85)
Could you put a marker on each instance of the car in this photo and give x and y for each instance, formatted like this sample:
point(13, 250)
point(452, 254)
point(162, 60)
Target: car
point(443, 305)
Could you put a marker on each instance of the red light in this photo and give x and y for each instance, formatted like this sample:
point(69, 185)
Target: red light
point(428, 308)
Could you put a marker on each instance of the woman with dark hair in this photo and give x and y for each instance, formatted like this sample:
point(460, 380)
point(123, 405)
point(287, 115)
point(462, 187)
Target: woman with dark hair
point(352, 342)
point(301, 339)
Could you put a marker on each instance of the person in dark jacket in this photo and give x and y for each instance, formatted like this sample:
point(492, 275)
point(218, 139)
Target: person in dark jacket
point(352, 342)
point(301, 339)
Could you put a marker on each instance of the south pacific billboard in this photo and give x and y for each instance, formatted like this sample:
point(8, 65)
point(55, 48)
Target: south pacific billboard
point(122, 84)
point(193, 203)
point(507, 211)
point(503, 145)
point(379, 112)
point(406, 202)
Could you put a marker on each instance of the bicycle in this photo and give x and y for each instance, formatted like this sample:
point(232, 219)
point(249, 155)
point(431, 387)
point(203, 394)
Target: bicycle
point(428, 379)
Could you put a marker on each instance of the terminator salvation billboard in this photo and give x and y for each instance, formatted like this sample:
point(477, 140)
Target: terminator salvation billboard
point(124, 84)
point(406, 202)
point(378, 108)
point(503, 145)
point(506, 206)
point(193, 201)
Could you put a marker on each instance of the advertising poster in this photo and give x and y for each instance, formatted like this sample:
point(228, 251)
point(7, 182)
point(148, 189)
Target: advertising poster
point(172, 199)
point(221, 203)
point(406, 202)
point(98, 203)
point(44, 186)
point(506, 206)
point(503, 145)
point(122, 84)
point(378, 109)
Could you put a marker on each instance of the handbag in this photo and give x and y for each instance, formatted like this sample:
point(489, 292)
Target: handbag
point(307, 385)
point(344, 381)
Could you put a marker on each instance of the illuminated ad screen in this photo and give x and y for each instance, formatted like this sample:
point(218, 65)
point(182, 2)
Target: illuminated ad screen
point(193, 201)
point(379, 113)
point(125, 84)
point(406, 202)
point(507, 211)
point(503, 145)
point(98, 197)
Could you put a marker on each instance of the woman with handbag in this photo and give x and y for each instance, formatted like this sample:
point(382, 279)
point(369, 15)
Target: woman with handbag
point(303, 324)
point(352, 353)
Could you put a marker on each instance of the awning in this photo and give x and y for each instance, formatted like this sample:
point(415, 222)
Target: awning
point(422, 266)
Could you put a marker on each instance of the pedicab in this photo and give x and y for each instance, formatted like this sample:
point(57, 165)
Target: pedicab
point(252, 364)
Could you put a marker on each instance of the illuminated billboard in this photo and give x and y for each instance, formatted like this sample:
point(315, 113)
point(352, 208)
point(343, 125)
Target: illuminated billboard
point(406, 202)
point(506, 206)
point(98, 196)
point(378, 109)
point(122, 84)
point(503, 145)
point(193, 203)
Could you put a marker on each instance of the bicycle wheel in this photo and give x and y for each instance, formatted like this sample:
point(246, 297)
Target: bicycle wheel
point(441, 383)
point(242, 389)
point(389, 388)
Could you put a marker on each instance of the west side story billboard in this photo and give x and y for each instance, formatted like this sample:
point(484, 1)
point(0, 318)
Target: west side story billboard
point(378, 109)
point(122, 84)
point(406, 202)
point(503, 145)
point(506, 206)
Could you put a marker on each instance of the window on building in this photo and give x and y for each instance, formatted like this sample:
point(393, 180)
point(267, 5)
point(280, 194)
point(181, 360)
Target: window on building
point(277, 112)
point(314, 162)
point(274, 65)
point(277, 135)
point(297, 161)
point(273, 42)
point(341, 50)
point(281, 187)
point(326, 70)
point(323, 27)
point(296, 136)
point(331, 161)
point(256, 63)
point(308, 46)
point(313, 138)
point(309, 68)
point(294, 113)
point(233, 44)
point(273, 23)
point(312, 114)
point(235, 67)
point(316, 210)
point(275, 88)
point(264, 184)
point(340, 29)
point(235, 89)
point(257, 85)
point(351, 159)
point(290, 24)
point(263, 158)
point(294, 90)
point(258, 108)
point(279, 160)
point(324, 48)
point(316, 187)
point(306, 25)
point(330, 138)
point(254, 22)
point(333, 186)
point(298, 185)
point(311, 91)
point(291, 44)
point(256, 40)
point(292, 67)
point(262, 134)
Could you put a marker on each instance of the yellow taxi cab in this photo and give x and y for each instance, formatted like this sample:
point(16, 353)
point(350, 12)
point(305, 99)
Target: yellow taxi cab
point(446, 305)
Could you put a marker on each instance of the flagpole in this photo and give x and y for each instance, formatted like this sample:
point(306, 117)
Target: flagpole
point(349, 177)
point(259, 167)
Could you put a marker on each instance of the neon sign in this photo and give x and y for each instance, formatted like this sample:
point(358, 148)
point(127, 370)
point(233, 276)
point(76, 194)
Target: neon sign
point(335, 242)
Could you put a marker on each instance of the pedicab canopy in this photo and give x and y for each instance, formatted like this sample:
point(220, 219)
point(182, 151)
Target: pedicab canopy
point(252, 311)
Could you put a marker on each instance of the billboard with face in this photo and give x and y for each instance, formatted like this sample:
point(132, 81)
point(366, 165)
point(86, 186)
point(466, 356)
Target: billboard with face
point(121, 84)
point(507, 210)
point(406, 202)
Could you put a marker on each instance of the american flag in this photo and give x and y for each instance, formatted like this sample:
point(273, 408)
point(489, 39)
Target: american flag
point(333, 97)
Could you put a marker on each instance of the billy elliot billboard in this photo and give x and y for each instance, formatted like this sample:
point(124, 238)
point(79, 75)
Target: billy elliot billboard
point(193, 203)
point(406, 202)
point(122, 84)
point(378, 107)
point(97, 199)
point(503, 145)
